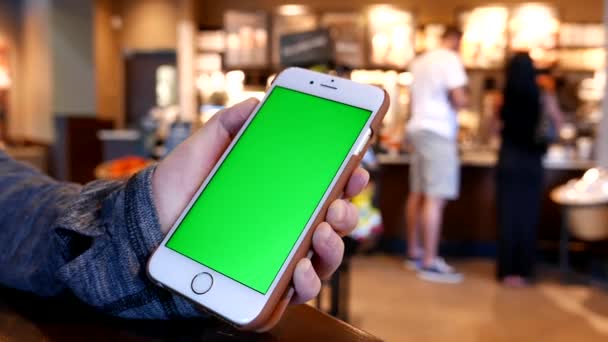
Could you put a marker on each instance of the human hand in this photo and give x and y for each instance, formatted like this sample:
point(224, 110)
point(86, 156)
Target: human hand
point(190, 163)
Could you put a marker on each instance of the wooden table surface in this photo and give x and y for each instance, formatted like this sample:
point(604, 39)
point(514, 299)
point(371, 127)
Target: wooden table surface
point(25, 317)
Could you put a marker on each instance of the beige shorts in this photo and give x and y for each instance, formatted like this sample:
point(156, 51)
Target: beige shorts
point(434, 165)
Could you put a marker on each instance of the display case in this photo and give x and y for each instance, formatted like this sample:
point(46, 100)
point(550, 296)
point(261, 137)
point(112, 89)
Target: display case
point(391, 34)
point(484, 40)
point(347, 31)
point(534, 27)
point(289, 19)
point(246, 39)
point(581, 46)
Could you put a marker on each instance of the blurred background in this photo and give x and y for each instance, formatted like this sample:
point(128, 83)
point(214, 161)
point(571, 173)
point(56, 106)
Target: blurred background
point(98, 89)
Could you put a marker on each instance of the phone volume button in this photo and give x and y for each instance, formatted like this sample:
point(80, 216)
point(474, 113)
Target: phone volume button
point(363, 142)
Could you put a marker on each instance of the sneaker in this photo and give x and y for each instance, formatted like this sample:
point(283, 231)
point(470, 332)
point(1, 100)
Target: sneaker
point(413, 264)
point(440, 272)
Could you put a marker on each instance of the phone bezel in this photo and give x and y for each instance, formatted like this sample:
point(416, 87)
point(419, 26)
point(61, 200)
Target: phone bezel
point(229, 298)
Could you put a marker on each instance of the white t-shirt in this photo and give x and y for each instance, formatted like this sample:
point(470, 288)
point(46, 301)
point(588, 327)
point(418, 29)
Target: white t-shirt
point(435, 74)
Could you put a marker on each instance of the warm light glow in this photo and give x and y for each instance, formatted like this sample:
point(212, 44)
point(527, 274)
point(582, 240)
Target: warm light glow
point(270, 80)
point(392, 36)
point(405, 79)
point(237, 76)
point(533, 26)
point(592, 89)
point(484, 40)
point(116, 22)
point(591, 176)
point(5, 80)
point(235, 85)
point(380, 41)
point(384, 14)
point(292, 10)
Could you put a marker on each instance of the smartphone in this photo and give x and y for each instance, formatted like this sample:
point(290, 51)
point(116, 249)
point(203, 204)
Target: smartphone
point(234, 248)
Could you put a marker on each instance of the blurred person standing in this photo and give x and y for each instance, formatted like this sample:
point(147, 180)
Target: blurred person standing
point(519, 176)
point(438, 91)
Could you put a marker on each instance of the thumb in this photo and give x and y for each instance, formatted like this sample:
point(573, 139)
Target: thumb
point(180, 174)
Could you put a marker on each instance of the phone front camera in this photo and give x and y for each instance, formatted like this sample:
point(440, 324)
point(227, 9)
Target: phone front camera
point(311, 82)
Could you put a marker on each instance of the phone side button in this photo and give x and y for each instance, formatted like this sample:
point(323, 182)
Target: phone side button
point(363, 142)
point(202, 283)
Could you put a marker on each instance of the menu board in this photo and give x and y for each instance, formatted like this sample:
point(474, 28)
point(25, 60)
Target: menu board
point(288, 24)
point(582, 59)
point(347, 31)
point(211, 41)
point(581, 46)
point(484, 40)
point(208, 62)
point(392, 36)
point(306, 49)
point(581, 35)
point(534, 27)
point(246, 39)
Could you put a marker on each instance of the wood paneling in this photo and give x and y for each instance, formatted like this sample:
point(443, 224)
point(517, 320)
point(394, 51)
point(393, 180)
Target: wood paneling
point(471, 218)
point(77, 150)
point(438, 11)
point(109, 67)
point(148, 24)
point(35, 109)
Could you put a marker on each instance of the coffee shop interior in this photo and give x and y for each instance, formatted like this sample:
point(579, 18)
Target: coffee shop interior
point(100, 89)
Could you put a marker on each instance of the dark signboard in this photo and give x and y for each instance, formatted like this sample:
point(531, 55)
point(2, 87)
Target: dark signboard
point(306, 48)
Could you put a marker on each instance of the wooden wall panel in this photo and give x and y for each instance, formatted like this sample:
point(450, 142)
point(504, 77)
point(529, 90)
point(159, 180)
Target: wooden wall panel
point(437, 11)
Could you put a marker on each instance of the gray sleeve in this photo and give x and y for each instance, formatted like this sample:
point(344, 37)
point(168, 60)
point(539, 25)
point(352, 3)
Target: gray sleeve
point(92, 240)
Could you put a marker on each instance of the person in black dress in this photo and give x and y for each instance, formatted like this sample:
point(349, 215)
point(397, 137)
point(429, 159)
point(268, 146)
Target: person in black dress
point(519, 173)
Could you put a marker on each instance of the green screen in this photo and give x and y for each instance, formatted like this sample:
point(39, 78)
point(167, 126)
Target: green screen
point(248, 218)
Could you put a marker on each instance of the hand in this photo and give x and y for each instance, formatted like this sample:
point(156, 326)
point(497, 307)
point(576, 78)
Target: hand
point(191, 162)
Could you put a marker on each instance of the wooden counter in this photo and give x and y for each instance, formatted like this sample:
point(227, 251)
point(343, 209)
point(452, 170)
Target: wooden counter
point(470, 223)
point(24, 317)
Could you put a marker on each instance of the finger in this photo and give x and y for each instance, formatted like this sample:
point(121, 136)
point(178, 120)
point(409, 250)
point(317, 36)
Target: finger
point(358, 181)
point(329, 250)
point(199, 153)
point(343, 216)
point(306, 282)
point(233, 120)
point(217, 134)
point(192, 161)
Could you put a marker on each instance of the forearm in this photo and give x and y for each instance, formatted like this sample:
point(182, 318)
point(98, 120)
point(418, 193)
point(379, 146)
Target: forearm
point(93, 241)
point(30, 204)
point(554, 110)
point(459, 98)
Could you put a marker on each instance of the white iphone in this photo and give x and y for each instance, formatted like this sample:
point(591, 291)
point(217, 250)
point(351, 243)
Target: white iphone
point(234, 248)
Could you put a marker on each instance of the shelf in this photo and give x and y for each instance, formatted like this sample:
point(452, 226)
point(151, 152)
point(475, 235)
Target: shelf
point(574, 47)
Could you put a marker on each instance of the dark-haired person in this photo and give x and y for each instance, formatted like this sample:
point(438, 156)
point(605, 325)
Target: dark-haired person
point(520, 171)
point(437, 91)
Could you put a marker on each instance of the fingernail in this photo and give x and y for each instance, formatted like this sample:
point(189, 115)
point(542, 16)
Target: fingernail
point(251, 100)
point(309, 272)
point(336, 212)
point(332, 242)
point(324, 234)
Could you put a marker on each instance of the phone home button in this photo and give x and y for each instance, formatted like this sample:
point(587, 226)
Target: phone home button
point(201, 283)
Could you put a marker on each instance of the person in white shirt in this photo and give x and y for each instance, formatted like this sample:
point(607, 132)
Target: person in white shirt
point(437, 92)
